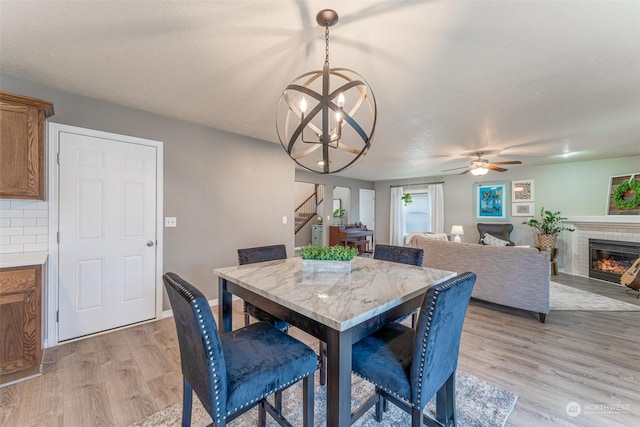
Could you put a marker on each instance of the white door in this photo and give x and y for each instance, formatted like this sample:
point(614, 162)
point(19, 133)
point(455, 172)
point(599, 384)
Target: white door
point(368, 208)
point(107, 234)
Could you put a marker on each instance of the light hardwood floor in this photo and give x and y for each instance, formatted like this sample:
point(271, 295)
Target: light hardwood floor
point(591, 358)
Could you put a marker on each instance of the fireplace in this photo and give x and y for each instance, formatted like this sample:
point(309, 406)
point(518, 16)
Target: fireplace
point(610, 258)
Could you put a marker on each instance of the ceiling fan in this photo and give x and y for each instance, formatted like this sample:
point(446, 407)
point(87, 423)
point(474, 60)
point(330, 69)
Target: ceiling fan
point(481, 166)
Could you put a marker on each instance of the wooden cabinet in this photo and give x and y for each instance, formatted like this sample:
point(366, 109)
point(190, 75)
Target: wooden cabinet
point(22, 146)
point(20, 322)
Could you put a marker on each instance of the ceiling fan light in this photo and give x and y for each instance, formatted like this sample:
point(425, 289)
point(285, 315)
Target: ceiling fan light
point(479, 171)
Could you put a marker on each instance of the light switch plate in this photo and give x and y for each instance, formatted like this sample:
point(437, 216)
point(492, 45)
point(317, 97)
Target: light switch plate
point(284, 219)
point(170, 221)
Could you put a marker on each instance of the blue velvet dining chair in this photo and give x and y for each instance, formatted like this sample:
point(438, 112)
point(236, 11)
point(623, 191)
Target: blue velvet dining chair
point(262, 254)
point(402, 255)
point(235, 372)
point(408, 367)
point(271, 253)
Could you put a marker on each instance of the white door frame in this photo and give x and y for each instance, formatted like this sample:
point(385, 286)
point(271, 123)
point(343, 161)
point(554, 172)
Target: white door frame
point(51, 294)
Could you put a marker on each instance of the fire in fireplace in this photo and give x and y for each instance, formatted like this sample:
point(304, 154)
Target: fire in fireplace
point(610, 258)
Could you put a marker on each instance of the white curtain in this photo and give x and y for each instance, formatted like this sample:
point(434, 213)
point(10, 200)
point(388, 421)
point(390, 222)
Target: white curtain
point(436, 191)
point(396, 224)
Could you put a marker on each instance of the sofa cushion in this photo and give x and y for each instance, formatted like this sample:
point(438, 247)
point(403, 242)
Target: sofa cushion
point(488, 239)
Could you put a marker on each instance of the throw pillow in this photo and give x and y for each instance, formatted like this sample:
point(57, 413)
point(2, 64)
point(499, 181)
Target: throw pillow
point(488, 239)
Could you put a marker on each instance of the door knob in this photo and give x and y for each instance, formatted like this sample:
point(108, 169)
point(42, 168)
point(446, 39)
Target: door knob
point(150, 243)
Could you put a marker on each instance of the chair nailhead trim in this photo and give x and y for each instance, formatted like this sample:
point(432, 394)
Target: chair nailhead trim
point(211, 366)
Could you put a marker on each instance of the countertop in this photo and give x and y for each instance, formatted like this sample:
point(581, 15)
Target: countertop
point(22, 259)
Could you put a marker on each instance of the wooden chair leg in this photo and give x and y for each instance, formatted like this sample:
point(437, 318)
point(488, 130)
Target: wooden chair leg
point(187, 394)
point(307, 401)
point(416, 417)
point(380, 405)
point(445, 402)
point(277, 400)
point(262, 414)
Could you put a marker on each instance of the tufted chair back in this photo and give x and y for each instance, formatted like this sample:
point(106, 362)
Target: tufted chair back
point(400, 254)
point(261, 254)
point(438, 332)
point(202, 366)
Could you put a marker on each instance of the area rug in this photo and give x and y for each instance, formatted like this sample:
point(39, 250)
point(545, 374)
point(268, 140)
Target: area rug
point(479, 404)
point(564, 297)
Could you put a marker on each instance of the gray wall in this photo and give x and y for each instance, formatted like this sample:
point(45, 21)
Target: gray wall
point(575, 189)
point(227, 191)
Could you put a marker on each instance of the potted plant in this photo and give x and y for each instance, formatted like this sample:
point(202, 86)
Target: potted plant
point(339, 213)
point(549, 225)
point(407, 199)
point(327, 259)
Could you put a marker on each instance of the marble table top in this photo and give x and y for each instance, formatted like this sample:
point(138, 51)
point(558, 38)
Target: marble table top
point(339, 301)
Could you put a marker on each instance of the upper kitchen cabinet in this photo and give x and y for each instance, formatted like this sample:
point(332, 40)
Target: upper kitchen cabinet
point(22, 152)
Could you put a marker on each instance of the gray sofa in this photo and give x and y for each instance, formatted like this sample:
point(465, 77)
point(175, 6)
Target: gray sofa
point(510, 276)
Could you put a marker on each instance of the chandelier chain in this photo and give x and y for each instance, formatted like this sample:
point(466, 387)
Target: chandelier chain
point(326, 44)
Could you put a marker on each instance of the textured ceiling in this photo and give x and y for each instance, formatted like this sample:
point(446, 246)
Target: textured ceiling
point(537, 81)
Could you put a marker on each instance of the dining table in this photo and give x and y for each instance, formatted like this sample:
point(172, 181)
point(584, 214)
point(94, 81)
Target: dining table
point(337, 308)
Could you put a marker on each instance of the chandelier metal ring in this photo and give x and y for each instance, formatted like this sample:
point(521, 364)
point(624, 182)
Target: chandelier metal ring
point(339, 129)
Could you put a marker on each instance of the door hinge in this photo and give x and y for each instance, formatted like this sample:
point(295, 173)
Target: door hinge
point(58, 236)
point(58, 158)
point(57, 317)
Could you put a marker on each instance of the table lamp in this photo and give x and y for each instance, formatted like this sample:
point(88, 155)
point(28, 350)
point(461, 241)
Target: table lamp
point(458, 231)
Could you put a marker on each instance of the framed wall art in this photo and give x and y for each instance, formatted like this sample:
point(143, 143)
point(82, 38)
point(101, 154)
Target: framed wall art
point(522, 209)
point(624, 195)
point(490, 201)
point(522, 191)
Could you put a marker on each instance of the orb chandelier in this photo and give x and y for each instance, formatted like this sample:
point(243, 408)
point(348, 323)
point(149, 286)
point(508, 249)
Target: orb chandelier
point(326, 118)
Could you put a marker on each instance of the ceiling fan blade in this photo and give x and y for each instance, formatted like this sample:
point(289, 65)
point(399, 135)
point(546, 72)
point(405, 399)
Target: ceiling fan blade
point(462, 167)
point(462, 173)
point(493, 167)
point(513, 162)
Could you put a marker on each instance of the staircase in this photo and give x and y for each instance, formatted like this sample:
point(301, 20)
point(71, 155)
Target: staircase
point(307, 210)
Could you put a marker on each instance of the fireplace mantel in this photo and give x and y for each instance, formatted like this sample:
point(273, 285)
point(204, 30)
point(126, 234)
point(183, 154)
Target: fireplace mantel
point(604, 219)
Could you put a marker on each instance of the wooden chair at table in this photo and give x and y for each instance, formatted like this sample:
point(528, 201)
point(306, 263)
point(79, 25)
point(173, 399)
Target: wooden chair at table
point(408, 367)
point(272, 253)
point(234, 372)
point(402, 255)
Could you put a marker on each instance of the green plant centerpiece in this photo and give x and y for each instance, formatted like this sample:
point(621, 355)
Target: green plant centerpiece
point(548, 226)
point(327, 259)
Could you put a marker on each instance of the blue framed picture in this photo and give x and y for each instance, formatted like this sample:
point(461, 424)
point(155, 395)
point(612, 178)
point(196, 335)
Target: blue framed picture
point(491, 201)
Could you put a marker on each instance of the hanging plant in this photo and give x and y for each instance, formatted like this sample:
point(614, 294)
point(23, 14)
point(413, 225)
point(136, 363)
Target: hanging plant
point(621, 189)
point(407, 199)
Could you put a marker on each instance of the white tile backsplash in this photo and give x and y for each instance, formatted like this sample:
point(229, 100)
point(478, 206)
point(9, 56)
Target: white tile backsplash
point(24, 226)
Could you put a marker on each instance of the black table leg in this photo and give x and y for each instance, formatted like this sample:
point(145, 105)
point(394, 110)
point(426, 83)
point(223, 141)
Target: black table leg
point(339, 378)
point(225, 309)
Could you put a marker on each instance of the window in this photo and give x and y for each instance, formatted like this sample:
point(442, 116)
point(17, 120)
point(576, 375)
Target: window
point(417, 215)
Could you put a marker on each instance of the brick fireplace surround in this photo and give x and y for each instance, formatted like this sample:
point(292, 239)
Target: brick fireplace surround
point(574, 246)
